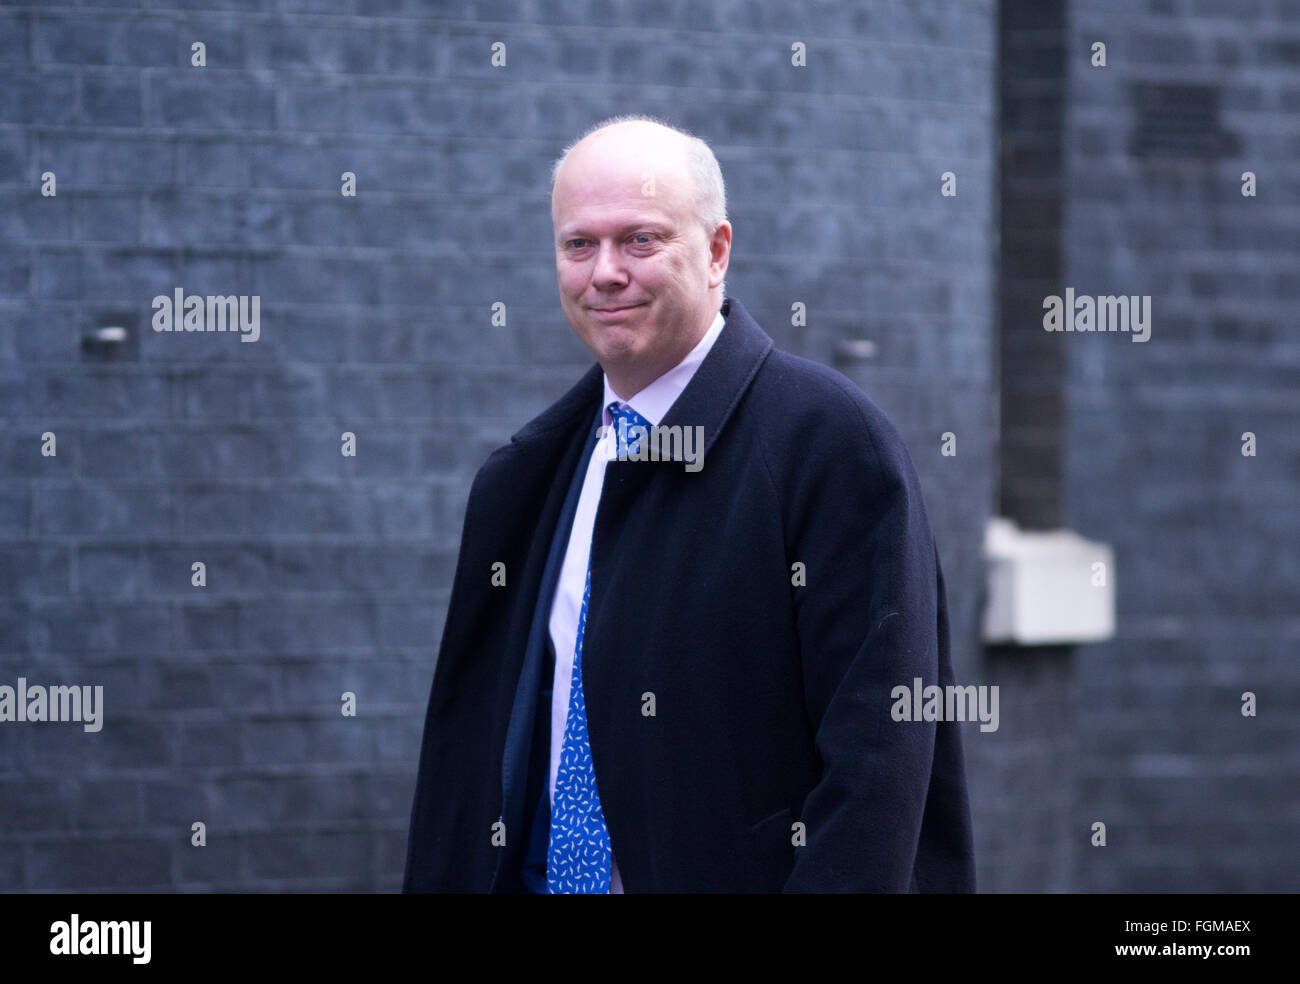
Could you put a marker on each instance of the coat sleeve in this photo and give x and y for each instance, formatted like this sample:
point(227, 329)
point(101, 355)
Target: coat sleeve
point(869, 619)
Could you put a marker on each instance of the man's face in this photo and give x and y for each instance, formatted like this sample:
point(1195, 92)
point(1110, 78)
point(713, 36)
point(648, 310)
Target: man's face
point(635, 267)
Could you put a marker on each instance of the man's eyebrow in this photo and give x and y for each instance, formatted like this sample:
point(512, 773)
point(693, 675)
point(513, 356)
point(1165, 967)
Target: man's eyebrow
point(654, 225)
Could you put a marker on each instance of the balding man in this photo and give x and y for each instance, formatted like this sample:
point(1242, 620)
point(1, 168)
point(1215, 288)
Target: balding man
point(685, 594)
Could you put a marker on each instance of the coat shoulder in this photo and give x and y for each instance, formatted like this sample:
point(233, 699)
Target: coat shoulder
point(803, 404)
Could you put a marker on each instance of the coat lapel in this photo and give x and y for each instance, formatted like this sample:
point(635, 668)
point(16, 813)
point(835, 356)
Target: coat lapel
point(710, 398)
point(726, 372)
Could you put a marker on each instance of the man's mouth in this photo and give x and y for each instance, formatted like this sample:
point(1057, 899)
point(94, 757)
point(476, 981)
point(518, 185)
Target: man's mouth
point(614, 312)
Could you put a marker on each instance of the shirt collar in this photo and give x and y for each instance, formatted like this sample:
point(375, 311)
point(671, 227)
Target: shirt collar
point(654, 401)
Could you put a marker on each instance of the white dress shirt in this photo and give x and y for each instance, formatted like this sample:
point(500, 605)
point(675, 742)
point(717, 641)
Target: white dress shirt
point(653, 404)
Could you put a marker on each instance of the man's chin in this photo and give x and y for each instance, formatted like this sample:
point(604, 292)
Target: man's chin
point(618, 337)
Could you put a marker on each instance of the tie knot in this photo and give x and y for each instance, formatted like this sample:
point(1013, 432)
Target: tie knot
point(630, 428)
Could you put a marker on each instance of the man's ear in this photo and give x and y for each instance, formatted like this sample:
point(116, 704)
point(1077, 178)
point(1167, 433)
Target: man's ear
point(719, 252)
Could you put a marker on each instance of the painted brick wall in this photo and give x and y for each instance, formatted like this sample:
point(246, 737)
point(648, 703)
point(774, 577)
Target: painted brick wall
point(1196, 797)
point(329, 574)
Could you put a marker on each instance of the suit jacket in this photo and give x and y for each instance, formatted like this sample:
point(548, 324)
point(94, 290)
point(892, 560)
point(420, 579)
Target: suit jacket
point(746, 625)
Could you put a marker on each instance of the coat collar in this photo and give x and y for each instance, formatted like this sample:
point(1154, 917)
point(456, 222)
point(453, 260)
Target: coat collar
point(708, 400)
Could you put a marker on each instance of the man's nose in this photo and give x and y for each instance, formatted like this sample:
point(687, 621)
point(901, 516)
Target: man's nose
point(609, 270)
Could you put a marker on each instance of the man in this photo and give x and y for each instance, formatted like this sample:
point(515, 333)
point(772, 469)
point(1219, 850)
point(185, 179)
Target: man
point(667, 663)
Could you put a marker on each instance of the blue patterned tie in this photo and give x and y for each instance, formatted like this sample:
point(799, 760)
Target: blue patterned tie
point(578, 859)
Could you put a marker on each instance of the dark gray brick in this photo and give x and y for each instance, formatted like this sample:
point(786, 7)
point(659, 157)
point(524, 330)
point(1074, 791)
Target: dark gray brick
point(108, 804)
point(203, 744)
point(334, 739)
point(103, 510)
point(110, 101)
point(107, 862)
point(132, 628)
point(76, 40)
point(123, 744)
point(209, 626)
point(108, 218)
point(47, 100)
point(15, 273)
point(188, 104)
point(294, 855)
point(109, 572)
point(31, 805)
point(85, 162)
point(29, 217)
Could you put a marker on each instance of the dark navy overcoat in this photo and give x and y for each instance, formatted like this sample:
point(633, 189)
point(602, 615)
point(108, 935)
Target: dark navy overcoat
point(747, 623)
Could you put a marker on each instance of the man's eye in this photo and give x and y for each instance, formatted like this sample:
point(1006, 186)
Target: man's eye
point(577, 243)
point(644, 235)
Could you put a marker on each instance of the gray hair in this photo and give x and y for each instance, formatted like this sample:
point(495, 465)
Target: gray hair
point(710, 192)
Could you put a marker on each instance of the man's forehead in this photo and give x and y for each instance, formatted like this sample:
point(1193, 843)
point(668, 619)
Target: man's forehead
point(615, 221)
